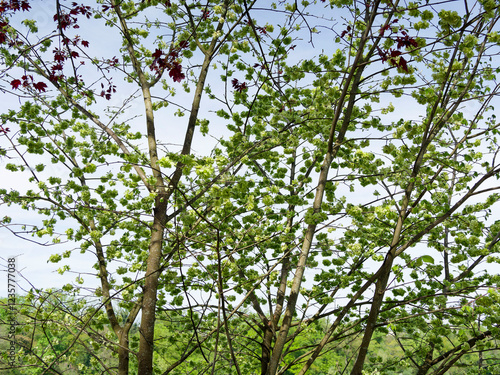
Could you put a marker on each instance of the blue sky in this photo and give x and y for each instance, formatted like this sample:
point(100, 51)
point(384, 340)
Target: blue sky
point(32, 261)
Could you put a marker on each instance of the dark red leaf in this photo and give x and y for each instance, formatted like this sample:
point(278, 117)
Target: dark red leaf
point(54, 78)
point(15, 83)
point(59, 55)
point(173, 54)
point(406, 41)
point(157, 54)
point(57, 67)
point(80, 9)
point(25, 6)
point(346, 32)
point(176, 73)
point(395, 58)
point(3, 31)
point(106, 95)
point(74, 54)
point(64, 20)
point(382, 54)
point(384, 29)
point(26, 80)
point(40, 86)
point(402, 64)
point(205, 14)
point(395, 53)
point(85, 43)
point(14, 5)
point(238, 86)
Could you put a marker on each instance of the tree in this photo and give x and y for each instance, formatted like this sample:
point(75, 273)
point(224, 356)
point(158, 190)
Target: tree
point(375, 158)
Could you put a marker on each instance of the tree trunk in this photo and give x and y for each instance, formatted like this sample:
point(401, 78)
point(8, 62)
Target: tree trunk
point(123, 354)
point(266, 350)
point(146, 343)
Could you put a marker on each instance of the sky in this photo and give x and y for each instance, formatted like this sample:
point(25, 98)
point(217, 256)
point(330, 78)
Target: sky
point(32, 257)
